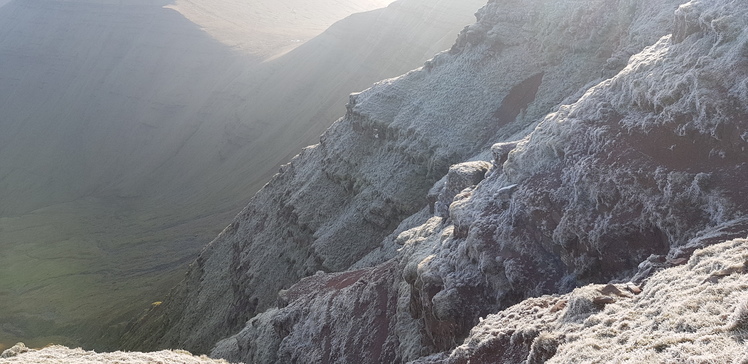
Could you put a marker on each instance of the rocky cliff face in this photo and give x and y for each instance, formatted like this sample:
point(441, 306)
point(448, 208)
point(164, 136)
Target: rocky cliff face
point(452, 193)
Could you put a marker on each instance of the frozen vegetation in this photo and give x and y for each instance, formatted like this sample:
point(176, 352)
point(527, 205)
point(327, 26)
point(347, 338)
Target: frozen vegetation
point(62, 355)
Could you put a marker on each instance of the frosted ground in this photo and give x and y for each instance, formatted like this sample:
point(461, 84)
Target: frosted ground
point(63, 355)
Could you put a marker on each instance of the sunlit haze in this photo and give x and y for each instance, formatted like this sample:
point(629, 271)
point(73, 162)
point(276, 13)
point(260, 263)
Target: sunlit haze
point(269, 27)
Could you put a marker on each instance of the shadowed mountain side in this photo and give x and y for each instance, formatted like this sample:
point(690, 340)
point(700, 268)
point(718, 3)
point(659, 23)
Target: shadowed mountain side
point(184, 117)
point(95, 98)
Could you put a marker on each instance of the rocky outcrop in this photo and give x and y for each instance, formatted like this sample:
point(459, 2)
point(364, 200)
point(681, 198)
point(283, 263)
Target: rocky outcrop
point(640, 162)
point(643, 165)
point(301, 330)
point(15, 350)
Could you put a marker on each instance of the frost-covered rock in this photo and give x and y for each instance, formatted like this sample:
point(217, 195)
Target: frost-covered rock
point(693, 313)
point(341, 317)
point(640, 162)
point(460, 177)
point(15, 350)
point(617, 178)
point(20, 354)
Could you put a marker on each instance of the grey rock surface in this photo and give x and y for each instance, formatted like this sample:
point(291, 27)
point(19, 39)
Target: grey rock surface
point(362, 303)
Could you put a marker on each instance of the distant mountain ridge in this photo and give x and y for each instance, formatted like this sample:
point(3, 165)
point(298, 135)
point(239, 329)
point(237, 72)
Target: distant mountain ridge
point(269, 28)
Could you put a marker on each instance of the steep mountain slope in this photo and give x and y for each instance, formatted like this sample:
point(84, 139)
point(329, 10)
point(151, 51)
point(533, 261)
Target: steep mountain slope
point(83, 82)
point(337, 202)
point(128, 134)
point(640, 162)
